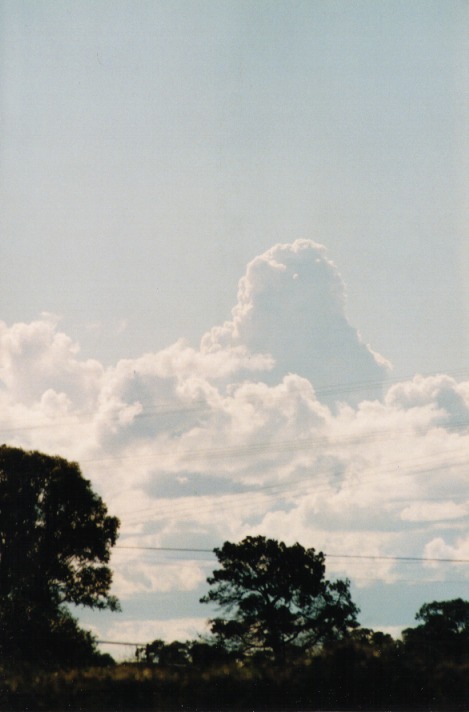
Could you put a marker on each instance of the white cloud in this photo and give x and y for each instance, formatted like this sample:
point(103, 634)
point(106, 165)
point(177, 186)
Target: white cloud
point(457, 551)
point(434, 511)
point(191, 447)
point(291, 304)
point(135, 574)
point(146, 631)
point(36, 357)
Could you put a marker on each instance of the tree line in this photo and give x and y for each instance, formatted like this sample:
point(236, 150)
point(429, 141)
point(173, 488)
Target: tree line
point(285, 636)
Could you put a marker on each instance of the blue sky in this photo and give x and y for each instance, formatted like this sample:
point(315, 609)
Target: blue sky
point(151, 149)
point(153, 153)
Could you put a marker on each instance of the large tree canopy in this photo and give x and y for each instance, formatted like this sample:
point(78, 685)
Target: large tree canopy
point(55, 543)
point(277, 599)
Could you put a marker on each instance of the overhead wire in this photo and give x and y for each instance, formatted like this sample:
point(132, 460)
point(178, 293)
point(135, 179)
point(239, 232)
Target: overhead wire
point(321, 483)
point(268, 446)
point(414, 559)
point(167, 407)
point(264, 447)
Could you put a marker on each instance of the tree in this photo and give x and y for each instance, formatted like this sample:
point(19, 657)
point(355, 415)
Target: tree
point(205, 655)
point(277, 599)
point(448, 617)
point(175, 654)
point(443, 633)
point(55, 542)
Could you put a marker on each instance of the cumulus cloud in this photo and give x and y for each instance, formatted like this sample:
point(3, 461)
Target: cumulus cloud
point(136, 575)
point(36, 357)
point(276, 424)
point(291, 305)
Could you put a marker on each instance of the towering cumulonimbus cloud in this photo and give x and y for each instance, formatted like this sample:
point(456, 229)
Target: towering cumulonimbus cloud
point(291, 304)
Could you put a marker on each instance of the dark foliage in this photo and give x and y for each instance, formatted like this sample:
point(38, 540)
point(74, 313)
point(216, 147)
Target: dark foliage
point(277, 600)
point(443, 633)
point(55, 542)
point(197, 653)
point(364, 670)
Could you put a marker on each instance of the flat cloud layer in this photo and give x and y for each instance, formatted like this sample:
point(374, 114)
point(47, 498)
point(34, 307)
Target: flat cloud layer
point(280, 423)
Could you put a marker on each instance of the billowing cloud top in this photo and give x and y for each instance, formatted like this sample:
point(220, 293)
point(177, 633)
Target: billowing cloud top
point(291, 304)
point(263, 429)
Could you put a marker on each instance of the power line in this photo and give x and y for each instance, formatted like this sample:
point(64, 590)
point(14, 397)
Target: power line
point(165, 548)
point(167, 407)
point(118, 642)
point(321, 482)
point(417, 559)
point(268, 447)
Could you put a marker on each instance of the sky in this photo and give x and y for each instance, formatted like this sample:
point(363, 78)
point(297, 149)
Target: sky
point(235, 285)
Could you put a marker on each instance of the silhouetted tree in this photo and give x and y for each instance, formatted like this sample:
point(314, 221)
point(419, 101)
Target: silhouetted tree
point(55, 542)
point(175, 654)
point(277, 599)
point(443, 633)
point(150, 653)
point(208, 655)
